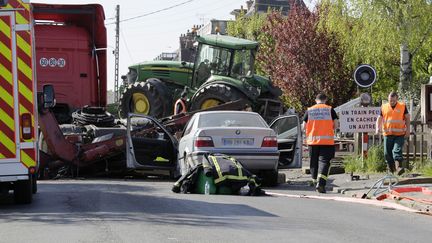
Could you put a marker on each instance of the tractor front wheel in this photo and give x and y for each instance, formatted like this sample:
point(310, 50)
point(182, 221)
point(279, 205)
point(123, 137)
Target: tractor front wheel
point(214, 95)
point(145, 98)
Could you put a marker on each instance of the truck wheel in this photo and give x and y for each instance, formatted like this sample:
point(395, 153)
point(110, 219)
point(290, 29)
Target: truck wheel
point(23, 191)
point(145, 98)
point(214, 95)
point(34, 183)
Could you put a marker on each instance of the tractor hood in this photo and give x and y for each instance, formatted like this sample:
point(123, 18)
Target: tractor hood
point(163, 64)
point(253, 86)
point(166, 70)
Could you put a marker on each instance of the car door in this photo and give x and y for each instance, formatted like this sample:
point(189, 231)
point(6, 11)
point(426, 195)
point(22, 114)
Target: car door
point(289, 135)
point(185, 141)
point(149, 144)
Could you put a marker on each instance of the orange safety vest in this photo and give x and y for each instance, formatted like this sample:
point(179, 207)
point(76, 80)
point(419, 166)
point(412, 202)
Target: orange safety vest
point(183, 106)
point(319, 126)
point(393, 119)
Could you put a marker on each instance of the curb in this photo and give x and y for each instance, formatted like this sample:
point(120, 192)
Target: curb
point(421, 180)
point(376, 203)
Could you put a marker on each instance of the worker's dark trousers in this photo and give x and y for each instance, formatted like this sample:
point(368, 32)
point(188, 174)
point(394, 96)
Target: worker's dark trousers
point(393, 146)
point(320, 156)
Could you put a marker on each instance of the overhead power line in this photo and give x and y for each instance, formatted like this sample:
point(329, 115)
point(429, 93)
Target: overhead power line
point(154, 12)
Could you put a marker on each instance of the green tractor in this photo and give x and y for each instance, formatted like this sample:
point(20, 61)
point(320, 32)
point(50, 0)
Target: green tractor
point(223, 71)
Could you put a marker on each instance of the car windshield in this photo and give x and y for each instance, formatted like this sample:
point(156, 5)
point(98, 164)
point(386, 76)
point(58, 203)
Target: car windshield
point(243, 63)
point(231, 120)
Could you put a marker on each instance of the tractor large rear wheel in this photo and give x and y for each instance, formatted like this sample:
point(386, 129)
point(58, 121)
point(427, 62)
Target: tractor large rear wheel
point(214, 95)
point(148, 98)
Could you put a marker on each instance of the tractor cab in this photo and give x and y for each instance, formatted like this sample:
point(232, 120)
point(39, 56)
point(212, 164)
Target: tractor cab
point(223, 56)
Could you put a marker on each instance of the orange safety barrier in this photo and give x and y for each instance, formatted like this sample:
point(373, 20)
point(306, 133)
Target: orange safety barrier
point(396, 194)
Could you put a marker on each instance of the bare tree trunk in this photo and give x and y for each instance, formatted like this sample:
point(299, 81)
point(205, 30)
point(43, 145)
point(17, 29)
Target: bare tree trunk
point(405, 77)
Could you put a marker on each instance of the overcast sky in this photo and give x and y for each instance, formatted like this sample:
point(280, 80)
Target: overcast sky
point(145, 38)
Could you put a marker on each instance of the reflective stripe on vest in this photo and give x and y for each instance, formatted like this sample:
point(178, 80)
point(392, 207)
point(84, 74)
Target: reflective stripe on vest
point(393, 119)
point(183, 105)
point(222, 177)
point(319, 126)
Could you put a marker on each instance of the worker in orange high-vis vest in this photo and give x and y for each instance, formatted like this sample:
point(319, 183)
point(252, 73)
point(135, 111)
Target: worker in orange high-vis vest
point(394, 122)
point(320, 122)
point(180, 105)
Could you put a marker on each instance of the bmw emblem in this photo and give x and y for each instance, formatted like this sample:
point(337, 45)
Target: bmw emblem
point(238, 132)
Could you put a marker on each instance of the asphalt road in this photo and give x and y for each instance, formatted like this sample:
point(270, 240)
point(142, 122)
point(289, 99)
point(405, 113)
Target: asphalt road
point(147, 211)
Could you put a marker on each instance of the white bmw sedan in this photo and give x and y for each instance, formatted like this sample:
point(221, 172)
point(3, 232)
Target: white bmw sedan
point(240, 134)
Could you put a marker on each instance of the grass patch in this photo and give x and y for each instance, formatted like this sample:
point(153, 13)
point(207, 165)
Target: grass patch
point(375, 161)
point(424, 168)
point(427, 171)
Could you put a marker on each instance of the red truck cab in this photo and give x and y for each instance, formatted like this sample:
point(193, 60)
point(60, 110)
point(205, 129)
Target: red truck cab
point(71, 55)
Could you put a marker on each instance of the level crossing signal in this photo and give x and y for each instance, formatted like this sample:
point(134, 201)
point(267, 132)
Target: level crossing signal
point(365, 75)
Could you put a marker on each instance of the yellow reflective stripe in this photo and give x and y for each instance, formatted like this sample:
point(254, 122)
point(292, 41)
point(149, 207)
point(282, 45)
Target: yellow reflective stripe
point(6, 97)
point(22, 4)
point(9, 121)
point(234, 177)
point(21, 19)
point(2, 156)
point(239, 168)
point(24, 110)
point(7, 142)
point(24, 68)
point(224, 177)
point(6, 74)
point(323, 176)
point(5, 28)
point(395, 130)
point(27, 160)
point(6, 52)
point(319, 137)
point(395, 121)
point(23, 45)
point(26, 92)
point(218, 169)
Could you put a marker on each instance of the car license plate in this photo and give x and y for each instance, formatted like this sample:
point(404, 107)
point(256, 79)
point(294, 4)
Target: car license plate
point(237, 141)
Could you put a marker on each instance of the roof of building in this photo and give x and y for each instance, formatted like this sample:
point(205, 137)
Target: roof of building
point(227, 41)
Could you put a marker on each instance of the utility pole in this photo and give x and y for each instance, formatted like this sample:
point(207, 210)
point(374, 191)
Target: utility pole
point(116, 55)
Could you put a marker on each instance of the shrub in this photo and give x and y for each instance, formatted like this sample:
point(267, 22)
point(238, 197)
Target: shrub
point(375, 162)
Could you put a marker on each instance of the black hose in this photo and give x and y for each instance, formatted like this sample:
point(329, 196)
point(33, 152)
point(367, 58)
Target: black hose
point(97, 116)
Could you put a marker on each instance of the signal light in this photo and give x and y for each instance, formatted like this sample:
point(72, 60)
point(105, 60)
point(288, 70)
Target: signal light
point(32, 170)
point(26, 126)
point(269, 142)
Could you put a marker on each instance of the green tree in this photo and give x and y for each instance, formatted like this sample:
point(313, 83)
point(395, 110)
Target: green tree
point(394, 36)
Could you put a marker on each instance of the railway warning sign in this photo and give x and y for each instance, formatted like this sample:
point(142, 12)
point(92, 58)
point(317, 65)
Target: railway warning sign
point(359, 119)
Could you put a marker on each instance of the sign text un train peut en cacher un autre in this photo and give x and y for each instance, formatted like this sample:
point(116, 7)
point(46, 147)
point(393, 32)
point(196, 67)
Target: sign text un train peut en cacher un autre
point(359, 119)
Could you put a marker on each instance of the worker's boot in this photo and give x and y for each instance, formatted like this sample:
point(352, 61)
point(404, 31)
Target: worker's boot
point(391, 168)
point(321, 189)
point(399, 169)
point(313, 183)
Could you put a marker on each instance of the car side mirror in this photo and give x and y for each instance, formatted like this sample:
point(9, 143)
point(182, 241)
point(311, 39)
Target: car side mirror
point(48, 96)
